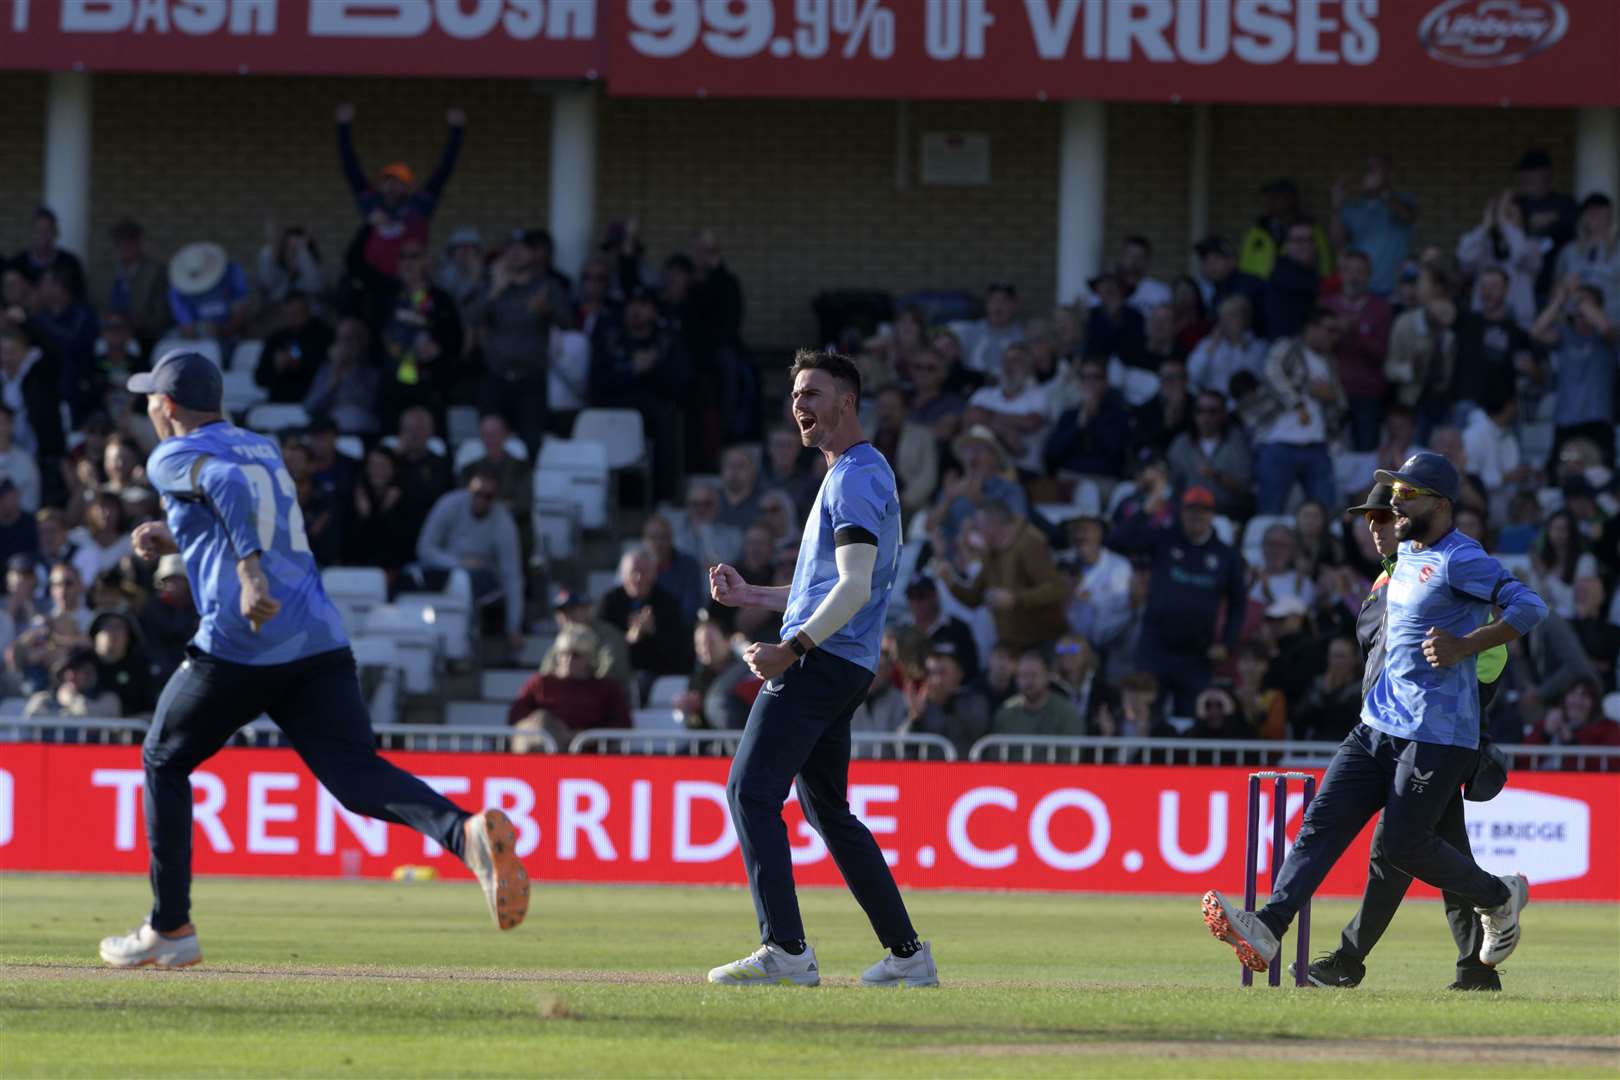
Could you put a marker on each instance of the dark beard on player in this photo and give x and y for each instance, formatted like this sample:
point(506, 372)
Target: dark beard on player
point(1413, 526)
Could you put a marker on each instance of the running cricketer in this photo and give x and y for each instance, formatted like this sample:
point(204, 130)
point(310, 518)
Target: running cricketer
point(269, 642)
point(1418, 740)
point(814, 678)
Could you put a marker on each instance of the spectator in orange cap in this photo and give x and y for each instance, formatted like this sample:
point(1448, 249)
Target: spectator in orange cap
point(394, 209)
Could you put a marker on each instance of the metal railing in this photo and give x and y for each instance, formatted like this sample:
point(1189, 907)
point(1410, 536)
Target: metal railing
point(68, 729)
point(1121, 749)
point(864, 745)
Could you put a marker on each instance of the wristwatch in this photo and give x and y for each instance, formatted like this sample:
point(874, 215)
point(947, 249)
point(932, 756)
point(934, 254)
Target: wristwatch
point(794, 644)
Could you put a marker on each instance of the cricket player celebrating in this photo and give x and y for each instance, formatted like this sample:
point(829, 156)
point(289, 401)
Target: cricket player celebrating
point(815, 677)
point(1418, 739)
point(269, 642)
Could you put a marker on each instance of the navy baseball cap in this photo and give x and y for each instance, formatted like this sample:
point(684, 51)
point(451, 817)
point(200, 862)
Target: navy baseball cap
point(1424, 469)
point(190, 378)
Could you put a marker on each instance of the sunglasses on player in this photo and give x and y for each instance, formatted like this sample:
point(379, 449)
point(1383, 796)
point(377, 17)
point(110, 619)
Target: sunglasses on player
point(1406, 493)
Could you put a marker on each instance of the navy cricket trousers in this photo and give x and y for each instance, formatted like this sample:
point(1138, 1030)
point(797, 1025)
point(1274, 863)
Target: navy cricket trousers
point(316, 702)
point(1412, 783)
point(799, 727)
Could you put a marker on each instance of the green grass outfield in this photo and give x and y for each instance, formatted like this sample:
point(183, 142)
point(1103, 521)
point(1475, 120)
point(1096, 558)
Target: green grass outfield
point(384, 979)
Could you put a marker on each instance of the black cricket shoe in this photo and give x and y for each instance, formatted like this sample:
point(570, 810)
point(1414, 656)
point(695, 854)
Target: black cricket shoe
point(1334, 971)
point(1477, 980)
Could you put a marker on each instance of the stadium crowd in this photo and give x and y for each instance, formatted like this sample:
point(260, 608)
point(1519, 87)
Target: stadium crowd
point(1125, 513)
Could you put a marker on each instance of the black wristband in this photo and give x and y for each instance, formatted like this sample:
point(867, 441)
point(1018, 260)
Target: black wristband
point(793, 643)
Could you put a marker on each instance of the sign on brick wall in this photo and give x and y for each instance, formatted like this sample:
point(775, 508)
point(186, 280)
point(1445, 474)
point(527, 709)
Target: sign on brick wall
point(1428, 52)
point(1421, 52)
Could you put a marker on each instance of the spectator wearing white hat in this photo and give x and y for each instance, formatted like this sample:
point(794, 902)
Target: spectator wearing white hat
point(208, 293)
point(168, 619)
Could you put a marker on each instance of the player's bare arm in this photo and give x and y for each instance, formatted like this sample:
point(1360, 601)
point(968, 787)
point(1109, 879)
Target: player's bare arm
point(1441, 648)
point(258, 606)
point(728, 588)
point(153, 540)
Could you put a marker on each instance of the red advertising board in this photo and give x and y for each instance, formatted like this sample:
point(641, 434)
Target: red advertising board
point(1422, 52)
point(525, 39)
point(1427, 52)
point(1136, 829)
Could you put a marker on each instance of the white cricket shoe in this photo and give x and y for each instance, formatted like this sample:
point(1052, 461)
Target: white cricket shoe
point(1502, 923)
point(1251, 939)
point(490, 853)
point(145, 947)
point(770, 965)
point(910, 971)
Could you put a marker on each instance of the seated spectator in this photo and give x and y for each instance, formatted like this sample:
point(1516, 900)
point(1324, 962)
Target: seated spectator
point(1216, 716)
point(933, 404)
point(1447, 441)
point(322, 524)
point(777, 515)
point(1228, 349)
point(1599, 636)
point(333, 470)
point(985, 340)
point(424, 473)
point(1378, 221)
point(19, 533)
point(462, 273)
point(573, 608)
point(1264, 708)
point(42, 252)
point(1399, 441)
point(1017, 578)
point(1161, 343)
point(1576, 720)
point(422, 337)
point(470, 530)
point(678, 573)
point(928, 615)
point(639, 363)
point(1015, 409)
point(1523, 527)
point(703, 535)
point(1502, 258)
point(986, 475)
point(29, 657)
point(943, 705)
point(55, 543)
point(1114, 330)
point(1077, 674)
point(514, 475)
point(294, 352)
point(1315, 547)
point(345, 388)
point(1292, 446)
point(1365, 318)
point(1035, 709)
point(289, 265)
point(1280, 574)
point(1585, 351)
point(1332, 706)
point(739, 487)
point(1168, 413)
point(121, 663)
point(883, 710)
point(208, 293)
point(1422, 357)
point(575, 699)
point(788, 466)
point(17, 465)
point(23, 600)
point(1141, 715)
point(118, 352)
point(139, 287)
point(650, 619)
point(1292, 286)
point(910, 448)
point(379, 525)
point(1215, 454)
point(74, 692)
point(1190, 315)
point(1093, 438)
point(102, 541)
point(1099, 605)
point(722, 689)
point(1297, 655)
point(1594, 254)
point(66, 327)
point(168, 619)
point(1000, 680)
point(1558, 561)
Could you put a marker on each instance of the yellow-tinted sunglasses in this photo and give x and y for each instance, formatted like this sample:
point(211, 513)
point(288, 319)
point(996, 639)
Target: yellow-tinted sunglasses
point(1406, 492)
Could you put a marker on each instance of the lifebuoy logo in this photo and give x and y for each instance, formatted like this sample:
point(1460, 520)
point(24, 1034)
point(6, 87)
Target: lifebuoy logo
point(1492, 33)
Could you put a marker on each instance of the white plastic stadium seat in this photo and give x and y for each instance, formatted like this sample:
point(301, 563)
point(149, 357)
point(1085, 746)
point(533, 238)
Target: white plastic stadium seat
point(411, 626)
point(434, 443)
point(1611, 707)
point(555, 517)
point(584, 466)
point(622, 435)
point(662, 718)
point(535, 647)
point(503, 684)
point(245, 357)
point(1535, 441)
point(475, 714)
point(207, 346)
point(1354, 472)
point(471, 450)
point(270, 417)
point(351, 447)
point(598, 583)
point(665, 689)
point(355, 590)
point(461, 423)
point(1255, 531)
point(240, 392)
point(1225, 528)
point(13, 706)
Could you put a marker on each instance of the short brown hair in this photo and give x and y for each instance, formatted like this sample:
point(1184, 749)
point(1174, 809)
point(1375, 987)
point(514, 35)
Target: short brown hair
point(839, 366)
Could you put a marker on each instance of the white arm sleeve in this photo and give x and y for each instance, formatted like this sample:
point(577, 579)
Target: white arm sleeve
point(851, 592)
